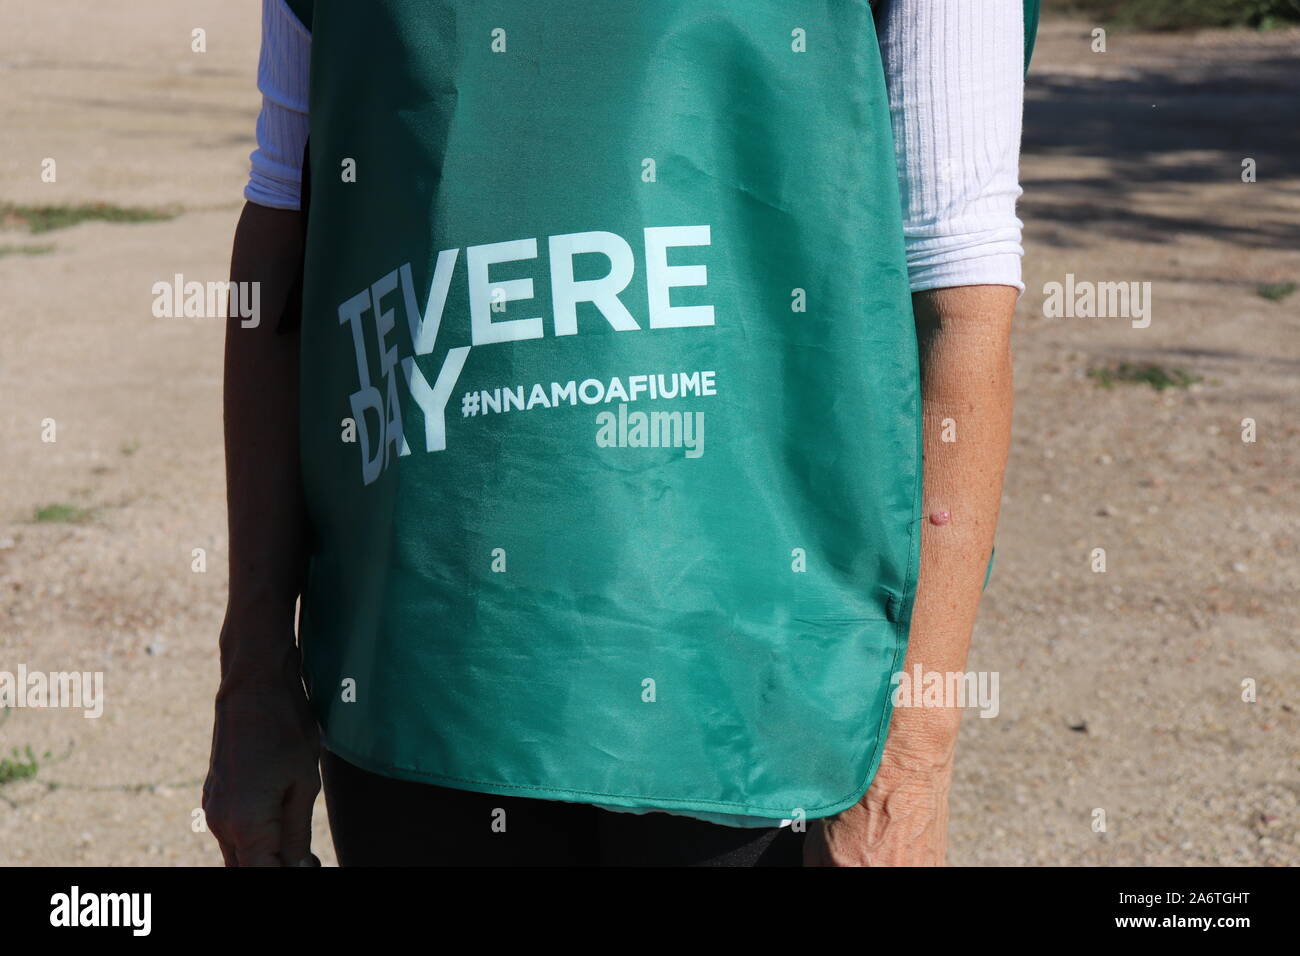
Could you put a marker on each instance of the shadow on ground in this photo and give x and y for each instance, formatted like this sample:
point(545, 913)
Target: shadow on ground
point(1159, 130)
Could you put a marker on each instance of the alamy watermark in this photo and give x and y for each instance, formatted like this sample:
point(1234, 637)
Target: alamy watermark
point(676, 429)
point(180, 299)
point(130, 910)
point(1085, 299)
point(75, 690)
point(947, 689)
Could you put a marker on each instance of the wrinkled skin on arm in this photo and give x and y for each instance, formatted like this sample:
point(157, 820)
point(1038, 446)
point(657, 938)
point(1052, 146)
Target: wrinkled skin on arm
point(965, 340)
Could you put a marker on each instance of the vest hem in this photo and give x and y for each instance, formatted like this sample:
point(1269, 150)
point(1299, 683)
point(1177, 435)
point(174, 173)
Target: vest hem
point(567, 795)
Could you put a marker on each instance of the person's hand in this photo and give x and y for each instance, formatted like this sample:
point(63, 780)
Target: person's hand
point(263, 776)
point(902, 820)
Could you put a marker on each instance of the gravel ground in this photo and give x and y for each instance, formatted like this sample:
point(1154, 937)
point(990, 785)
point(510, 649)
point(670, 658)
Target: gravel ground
point(1120, 691)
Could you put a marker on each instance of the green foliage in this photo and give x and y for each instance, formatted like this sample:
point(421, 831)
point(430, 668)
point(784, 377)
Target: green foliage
point(19, 766)
point(61, 513)
point(46, 218)
point(1276, 291)
point(1181, 14)
point(24, 250)
point(1142, 373)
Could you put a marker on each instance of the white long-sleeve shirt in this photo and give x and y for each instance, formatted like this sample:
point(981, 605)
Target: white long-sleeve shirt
point(955, 74)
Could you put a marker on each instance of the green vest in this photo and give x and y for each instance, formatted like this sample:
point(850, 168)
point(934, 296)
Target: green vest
point(610, 406)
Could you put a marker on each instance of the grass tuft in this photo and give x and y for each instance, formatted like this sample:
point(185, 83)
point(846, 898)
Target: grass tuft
point(19, 766)
point(1142, 373)
point(1276, 291)
point(62, 514)
point(38, 219)
point(27, 250)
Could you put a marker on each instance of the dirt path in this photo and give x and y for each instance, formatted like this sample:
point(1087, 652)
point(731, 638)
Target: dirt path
point(1131, 174)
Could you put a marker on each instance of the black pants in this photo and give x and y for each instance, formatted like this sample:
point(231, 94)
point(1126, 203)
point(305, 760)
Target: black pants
point(379, 821)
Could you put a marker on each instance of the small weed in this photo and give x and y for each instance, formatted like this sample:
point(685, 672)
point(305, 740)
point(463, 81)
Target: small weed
point(19, 765)
point(62, 513)
point(1276, 291)
point(47, 218)
point(1142, 373)
point(28, 250)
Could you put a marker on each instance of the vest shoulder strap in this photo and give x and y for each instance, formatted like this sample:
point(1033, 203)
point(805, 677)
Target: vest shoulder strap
point(1031, 28)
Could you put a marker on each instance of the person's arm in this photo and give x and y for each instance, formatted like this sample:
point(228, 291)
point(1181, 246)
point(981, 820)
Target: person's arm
point(263, 776)
point(955, 76)
point(965, 335)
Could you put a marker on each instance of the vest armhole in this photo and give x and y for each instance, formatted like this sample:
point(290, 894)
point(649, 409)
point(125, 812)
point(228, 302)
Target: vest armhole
point(302, 9)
